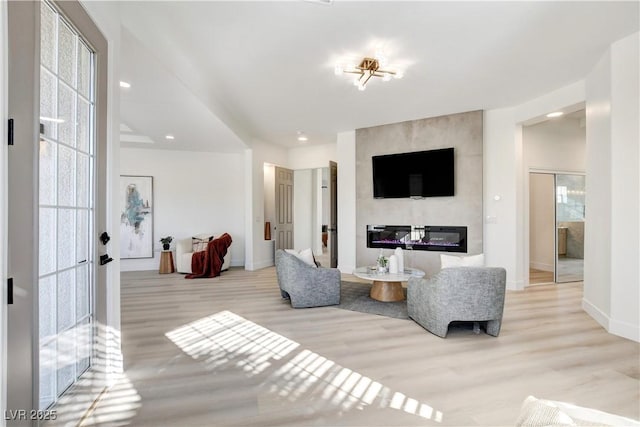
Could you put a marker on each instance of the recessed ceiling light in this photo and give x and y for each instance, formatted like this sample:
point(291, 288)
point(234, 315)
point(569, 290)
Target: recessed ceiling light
point(125, 84)
point(555, 114)
point(170, 137)
point(302, 137)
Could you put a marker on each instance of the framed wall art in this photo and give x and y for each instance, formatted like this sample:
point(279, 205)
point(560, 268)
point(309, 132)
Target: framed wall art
point(136, 216)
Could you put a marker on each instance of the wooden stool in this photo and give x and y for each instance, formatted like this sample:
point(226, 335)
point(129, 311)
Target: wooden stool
point(166, 262)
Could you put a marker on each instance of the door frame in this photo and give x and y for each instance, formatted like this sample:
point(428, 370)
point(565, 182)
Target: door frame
point(526, 220)
point(3, 205)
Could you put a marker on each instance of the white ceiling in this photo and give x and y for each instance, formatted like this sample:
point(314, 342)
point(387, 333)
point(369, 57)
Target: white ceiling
point(219, 75)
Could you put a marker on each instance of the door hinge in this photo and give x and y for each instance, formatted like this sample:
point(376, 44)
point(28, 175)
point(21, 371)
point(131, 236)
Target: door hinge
point(10, 132)
point(10, 290)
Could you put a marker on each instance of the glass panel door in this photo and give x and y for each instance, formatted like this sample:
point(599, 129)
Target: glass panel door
point(570, 218)
point(66, 206)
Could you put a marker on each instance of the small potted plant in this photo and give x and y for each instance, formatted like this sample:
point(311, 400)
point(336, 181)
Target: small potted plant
point(382, 264)
point(166, 242)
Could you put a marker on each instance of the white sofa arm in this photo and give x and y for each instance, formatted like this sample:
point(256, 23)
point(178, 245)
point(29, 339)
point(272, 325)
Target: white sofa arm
point(184, 250)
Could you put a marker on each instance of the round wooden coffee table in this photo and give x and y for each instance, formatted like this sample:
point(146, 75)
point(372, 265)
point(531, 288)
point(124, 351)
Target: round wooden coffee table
point(387, 287)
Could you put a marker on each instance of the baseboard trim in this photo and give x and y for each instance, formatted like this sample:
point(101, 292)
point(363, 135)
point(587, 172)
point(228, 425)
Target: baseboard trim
point(613, 326)
point(346, 269)
point(261, 264)
point(598, 315)
point(624, 330)
point(515, 285)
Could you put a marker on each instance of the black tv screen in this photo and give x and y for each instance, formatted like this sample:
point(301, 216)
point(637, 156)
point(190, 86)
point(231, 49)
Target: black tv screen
point(417, 174)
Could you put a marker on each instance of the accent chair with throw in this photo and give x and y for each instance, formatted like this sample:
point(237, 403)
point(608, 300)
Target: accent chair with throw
point(473, 294)
point(185, 248)
point(306, 285)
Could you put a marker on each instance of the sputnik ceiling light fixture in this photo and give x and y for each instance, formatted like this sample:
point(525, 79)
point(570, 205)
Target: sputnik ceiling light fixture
point(367, 68)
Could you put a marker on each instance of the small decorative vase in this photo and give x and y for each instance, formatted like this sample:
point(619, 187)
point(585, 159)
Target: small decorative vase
point(382, 268)
point(165, 246)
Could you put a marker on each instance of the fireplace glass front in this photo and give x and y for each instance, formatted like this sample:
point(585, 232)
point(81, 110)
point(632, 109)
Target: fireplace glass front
point(422, 238)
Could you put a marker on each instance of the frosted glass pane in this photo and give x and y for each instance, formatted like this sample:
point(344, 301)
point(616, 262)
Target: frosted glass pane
point(48, 102)
point(66, 176)
point(82, 292)
point(66, 299)
point(48, 364)
point(66, 54)
point(47, 307)
point(82, 237)
point(67, 358)
point(84, 123)
point(47, 37)
point(82, 186)
point(84, 70)
point(47, 241)
point(66, 238)
point(48, 154)
point(85, 336)
point(67, 112)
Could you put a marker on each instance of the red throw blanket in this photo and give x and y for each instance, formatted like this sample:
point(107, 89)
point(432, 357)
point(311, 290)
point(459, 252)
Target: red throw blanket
point(208, 263)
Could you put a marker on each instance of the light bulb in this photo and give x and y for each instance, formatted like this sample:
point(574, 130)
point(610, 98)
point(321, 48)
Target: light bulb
point(339, 69)
point(399, 74)
point(361, 87)
point(386, 78)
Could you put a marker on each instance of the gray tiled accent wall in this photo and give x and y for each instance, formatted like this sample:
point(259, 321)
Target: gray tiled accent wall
point(462, 131)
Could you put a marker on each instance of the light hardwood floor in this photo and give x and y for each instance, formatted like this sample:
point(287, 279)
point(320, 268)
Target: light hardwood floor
point(229, 351)
point(539, 276)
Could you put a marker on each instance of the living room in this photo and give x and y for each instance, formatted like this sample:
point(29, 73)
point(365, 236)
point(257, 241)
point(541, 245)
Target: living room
point(210, 178)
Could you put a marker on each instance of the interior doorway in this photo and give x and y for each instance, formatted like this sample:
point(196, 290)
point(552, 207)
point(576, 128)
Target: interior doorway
point(556, 227)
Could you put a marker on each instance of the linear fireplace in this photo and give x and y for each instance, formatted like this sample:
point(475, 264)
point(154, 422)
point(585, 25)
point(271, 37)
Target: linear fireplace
point(422, 238)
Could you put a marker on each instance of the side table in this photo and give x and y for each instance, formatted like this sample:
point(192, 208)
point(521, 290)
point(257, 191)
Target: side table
point(166, 262)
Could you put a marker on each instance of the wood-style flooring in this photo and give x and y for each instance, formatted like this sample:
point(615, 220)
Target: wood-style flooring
point(537, 277)
point(230, 352)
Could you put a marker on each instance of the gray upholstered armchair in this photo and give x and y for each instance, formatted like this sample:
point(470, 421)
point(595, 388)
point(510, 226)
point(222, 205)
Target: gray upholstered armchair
point(304, 285)
point(458, 294)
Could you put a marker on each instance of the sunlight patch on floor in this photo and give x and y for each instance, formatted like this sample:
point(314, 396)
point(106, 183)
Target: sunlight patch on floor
point(225, 338)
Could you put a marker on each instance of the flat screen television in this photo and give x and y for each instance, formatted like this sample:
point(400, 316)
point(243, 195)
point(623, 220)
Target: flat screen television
point(416, 174)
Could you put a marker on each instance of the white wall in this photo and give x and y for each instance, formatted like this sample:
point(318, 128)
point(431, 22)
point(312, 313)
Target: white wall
point(625, 187)
point(303, 203)
point(346, 155)
point(555, 145)
point(311, 156)
point(499, 193)
point(611, 293)
point(541, 222)
point(194, 192)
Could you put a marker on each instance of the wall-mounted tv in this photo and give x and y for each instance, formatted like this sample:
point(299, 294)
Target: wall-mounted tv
point(416, 174)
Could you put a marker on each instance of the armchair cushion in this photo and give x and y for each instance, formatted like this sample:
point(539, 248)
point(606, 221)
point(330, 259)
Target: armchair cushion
point(448, 261)
point(305, 255)
point(200, 243)
point(304, 285)
point(458, 294)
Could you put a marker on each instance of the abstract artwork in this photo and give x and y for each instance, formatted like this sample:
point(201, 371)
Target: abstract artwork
point(136, 217)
